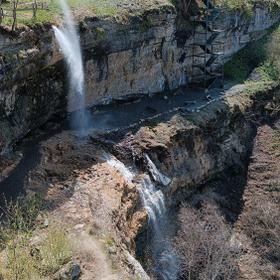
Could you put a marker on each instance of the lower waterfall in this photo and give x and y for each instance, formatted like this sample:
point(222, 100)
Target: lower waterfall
point(153, 200)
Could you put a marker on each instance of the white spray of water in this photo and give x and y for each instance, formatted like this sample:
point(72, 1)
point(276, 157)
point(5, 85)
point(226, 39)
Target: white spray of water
point(156, 174)
point(166, 258)
point(69, 43)
point(154, 202)
point(112, 161)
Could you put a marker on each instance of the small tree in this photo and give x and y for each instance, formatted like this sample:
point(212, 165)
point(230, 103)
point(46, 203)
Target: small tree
point(15, 4)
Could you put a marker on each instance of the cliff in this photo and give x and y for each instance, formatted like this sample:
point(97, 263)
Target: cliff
point(141, 53)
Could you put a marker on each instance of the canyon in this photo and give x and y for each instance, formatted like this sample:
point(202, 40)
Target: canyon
point(153, 142)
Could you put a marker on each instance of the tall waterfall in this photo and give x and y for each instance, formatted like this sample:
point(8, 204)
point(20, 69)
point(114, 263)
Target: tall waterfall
point(69, 42)
point(166, 261)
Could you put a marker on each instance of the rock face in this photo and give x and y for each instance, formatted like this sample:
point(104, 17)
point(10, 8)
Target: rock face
point(191, 149)
point(83, 190)
point(31, 88)
point(143, 54)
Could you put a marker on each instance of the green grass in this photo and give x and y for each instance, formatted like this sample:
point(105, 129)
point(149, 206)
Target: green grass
point(113, 7)
point(266, 53)
point(242, 63)
point(53, 14)
point(20, 257)
point(261, 56)
point(21, 215)
point(17, 263)
point(247, 6)
point(98, 7)
point(55, 251)
point(23, 261)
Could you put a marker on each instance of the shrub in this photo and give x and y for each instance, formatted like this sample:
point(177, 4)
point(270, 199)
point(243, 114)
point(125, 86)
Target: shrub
point(21, 214)
point(18, 264)
point(273, 52)
point(262, 225)
point(245, 6)
point(55, 251)
point(262, 56)
point(20, 260)
point(203, 244)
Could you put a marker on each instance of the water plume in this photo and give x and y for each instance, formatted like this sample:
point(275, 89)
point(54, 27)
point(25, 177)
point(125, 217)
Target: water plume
point(69, 42)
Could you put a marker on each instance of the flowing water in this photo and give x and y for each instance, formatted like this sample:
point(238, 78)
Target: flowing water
point(69, 42)
point(156, 174)
point(153, 200)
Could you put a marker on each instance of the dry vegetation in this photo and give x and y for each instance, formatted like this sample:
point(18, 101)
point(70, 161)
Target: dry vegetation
point(260, 220)
point(262, 225)
point(208, 250)
point(248, 246)
point(203, 243)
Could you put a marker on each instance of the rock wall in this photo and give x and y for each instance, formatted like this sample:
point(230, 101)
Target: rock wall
point(192, 149)
point(153, 54)
point(143, 54)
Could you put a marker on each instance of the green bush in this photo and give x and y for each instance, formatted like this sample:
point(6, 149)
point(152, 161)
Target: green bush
point(262, 55)
point(21, 215)
point(242, 63)
point(245, 6)
point(268, 71)
point(20, 258)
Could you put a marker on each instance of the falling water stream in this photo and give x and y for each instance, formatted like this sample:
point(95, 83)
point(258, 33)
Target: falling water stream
point(69, 42)
point(153, 200)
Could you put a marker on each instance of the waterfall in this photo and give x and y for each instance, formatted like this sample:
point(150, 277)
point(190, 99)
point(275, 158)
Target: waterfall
point(166, 260)
point(115, 163)
point(69, 42)
point(156, 174)
point(153, 200)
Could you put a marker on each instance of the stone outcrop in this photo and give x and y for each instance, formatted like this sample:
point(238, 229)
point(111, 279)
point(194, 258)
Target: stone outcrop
point(80, 188)
point(192, 148)
point(140, 54)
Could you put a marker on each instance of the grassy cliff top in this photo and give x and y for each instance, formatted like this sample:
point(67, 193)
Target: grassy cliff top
point(112, 8)
point(80, 8)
